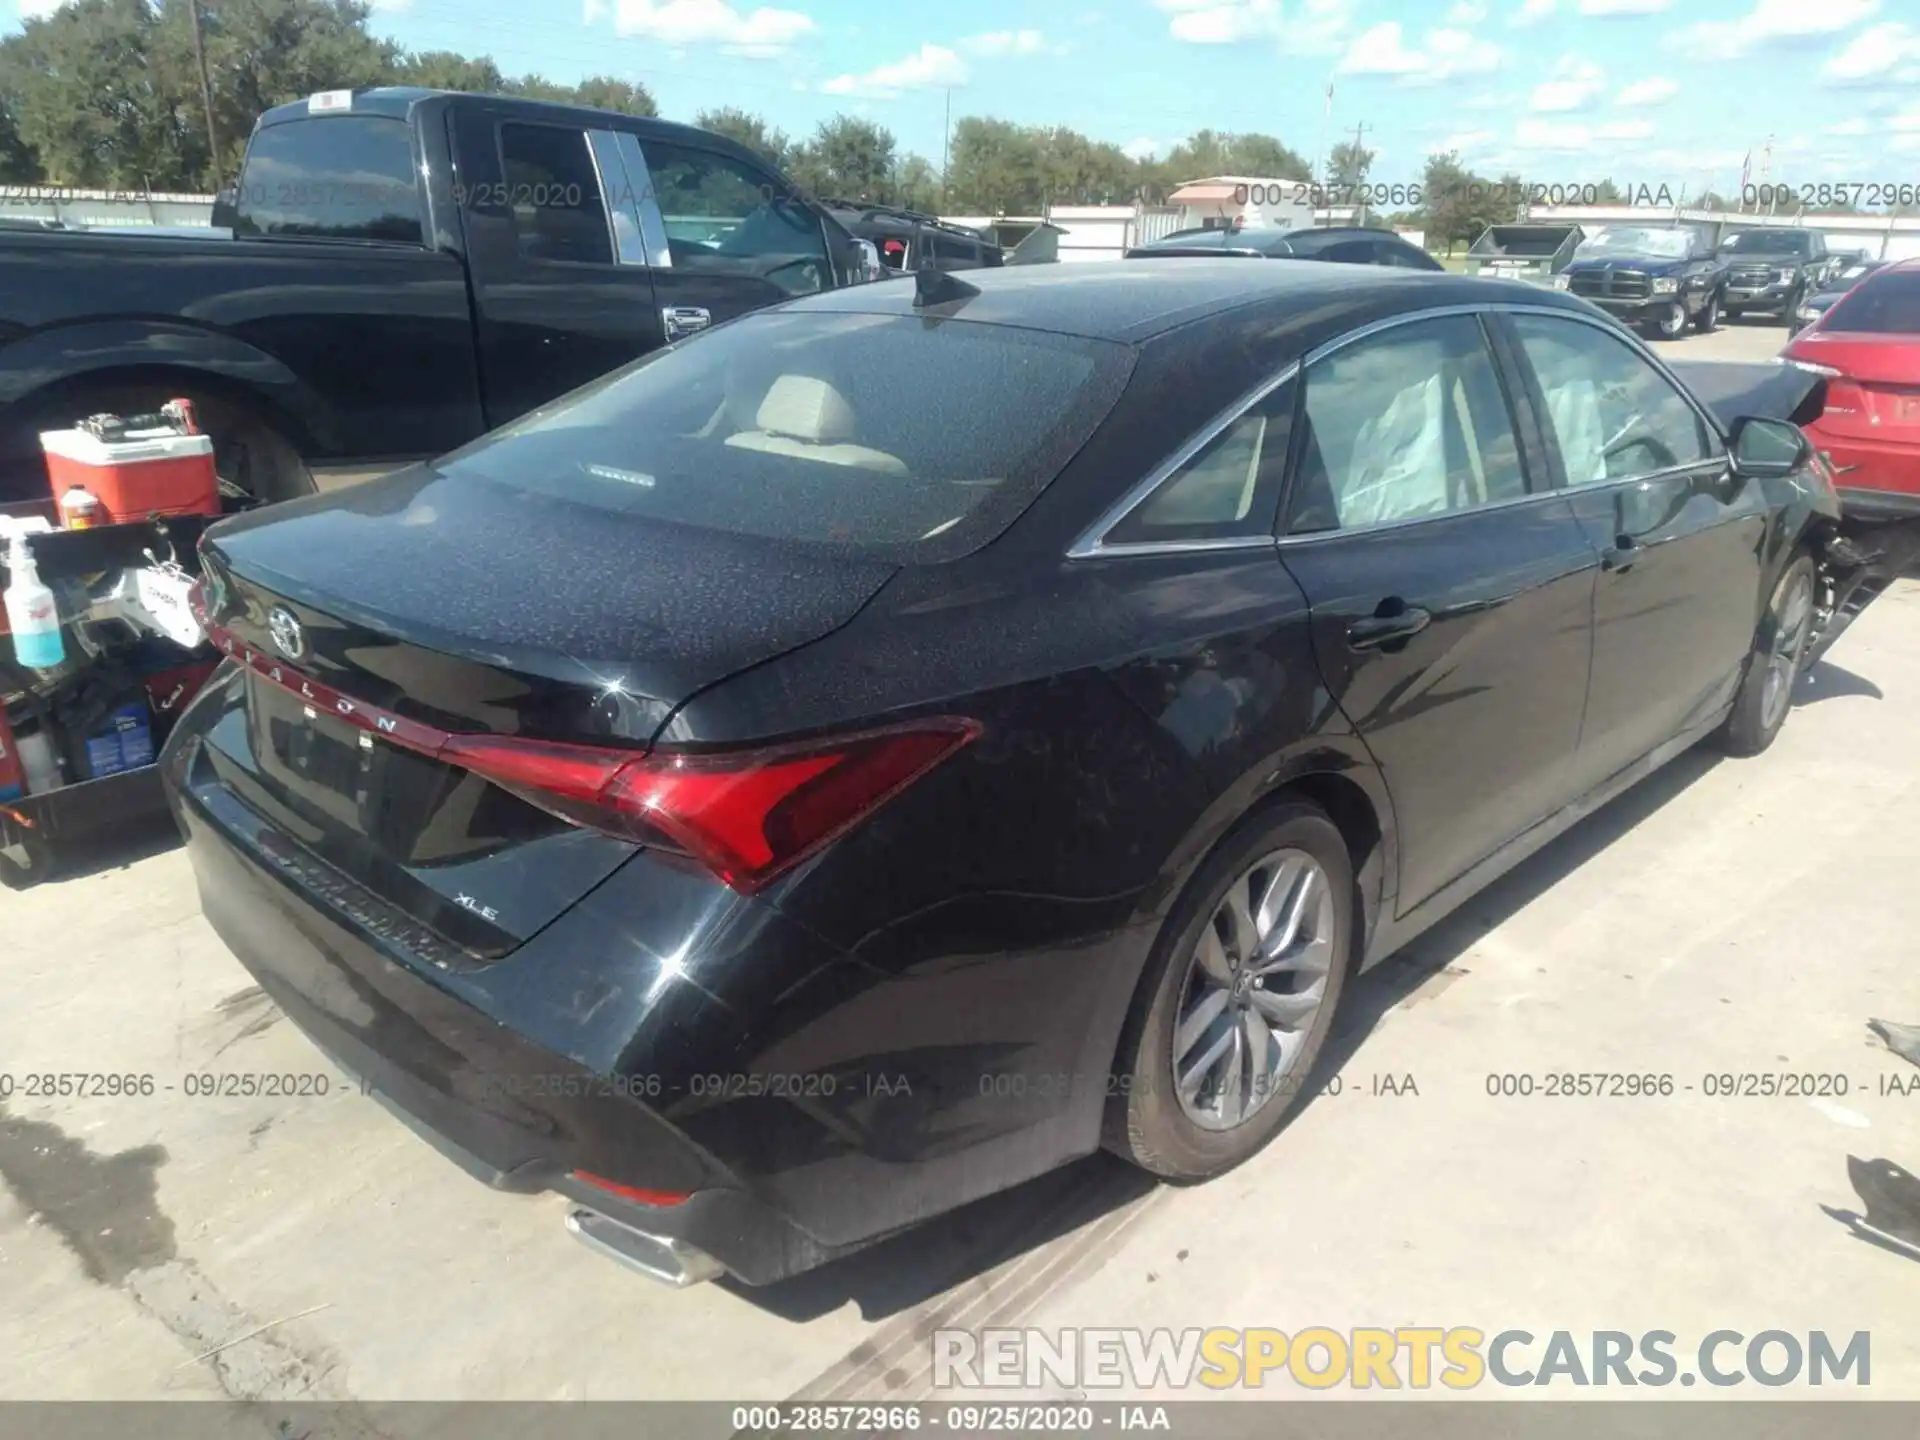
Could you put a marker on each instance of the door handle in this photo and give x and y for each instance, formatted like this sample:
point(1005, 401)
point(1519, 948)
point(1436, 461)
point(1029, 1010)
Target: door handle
point(1620, 555)
point(684, 320)
point(1394, 620)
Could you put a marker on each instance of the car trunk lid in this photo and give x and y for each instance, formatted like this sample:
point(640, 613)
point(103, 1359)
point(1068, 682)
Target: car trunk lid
point(376, 624)
point(1873, 382)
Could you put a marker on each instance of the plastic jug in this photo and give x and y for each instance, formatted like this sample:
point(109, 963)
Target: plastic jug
point(32, 614)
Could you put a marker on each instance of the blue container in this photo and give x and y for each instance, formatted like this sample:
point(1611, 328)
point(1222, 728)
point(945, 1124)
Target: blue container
point(123, 740)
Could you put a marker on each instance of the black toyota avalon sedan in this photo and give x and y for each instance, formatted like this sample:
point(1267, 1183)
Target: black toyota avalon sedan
point(880, 749)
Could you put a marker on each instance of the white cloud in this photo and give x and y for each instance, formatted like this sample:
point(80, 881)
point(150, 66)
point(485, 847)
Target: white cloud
point(928, 67)
point(1575, 85)
point(39, 9)
point(1559, 135)
point(1306, 27)
point(1444, 55)
point(1655, 90)
point(1382, 51)
point(1144, 149)
point(1467, 12)
point(1623, 7)
point(1774, 20)
point(1879, 52)
point(1006, 42)
point(762, 31)
point(1531, 12)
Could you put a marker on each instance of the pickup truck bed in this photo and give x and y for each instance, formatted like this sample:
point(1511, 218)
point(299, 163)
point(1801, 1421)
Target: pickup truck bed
point(404, 270)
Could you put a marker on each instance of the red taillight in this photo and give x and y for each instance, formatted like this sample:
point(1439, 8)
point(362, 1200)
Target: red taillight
point(746, 815)
point(632, 1192)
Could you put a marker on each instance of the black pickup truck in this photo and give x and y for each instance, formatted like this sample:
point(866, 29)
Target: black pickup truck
point(405, 270)
point(1771, 270)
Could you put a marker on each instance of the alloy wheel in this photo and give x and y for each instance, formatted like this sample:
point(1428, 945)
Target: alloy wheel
point(1793, 622)
point(1256, 981)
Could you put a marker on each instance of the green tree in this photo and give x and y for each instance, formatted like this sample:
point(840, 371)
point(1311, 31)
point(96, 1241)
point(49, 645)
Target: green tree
point(916, 184)
point(1460, 204)
point(18, 163)
point(1349, 165)
point(262, 53)
point(993, 168)
point(1212, 152)
point(749, 130)
point(607, 92)
point(445, 70)
point(847, 158)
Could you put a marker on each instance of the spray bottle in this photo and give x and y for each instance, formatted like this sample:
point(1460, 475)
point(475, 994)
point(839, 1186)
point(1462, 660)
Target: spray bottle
point(32, 614)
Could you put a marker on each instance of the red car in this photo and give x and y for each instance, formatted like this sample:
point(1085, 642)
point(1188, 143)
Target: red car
point(1867, 348)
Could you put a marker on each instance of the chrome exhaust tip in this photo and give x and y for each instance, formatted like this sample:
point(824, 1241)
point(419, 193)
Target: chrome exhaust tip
point(660, 1257)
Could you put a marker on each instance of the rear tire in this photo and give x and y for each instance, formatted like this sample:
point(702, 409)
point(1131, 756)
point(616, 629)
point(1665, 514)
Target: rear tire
point(26, 864)
point(1268, 995)
point(1765, 697)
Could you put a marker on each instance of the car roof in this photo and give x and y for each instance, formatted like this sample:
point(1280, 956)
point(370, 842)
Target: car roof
point(1117, 300)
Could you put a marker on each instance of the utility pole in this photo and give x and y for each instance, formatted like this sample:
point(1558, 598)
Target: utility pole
point(946, 137)
point(206, 93)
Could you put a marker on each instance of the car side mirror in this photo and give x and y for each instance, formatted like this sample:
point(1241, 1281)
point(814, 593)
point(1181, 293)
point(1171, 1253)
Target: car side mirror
point(226, 210)
point(1765, 448)
point(870, 267)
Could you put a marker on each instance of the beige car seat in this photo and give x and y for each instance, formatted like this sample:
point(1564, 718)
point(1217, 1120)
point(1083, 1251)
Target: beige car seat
point(807, 418)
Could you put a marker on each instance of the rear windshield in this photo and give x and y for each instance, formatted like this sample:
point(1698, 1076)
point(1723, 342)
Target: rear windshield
point(1880, 305)
point(1768, 242)
point(340, 177)
point(916, 439)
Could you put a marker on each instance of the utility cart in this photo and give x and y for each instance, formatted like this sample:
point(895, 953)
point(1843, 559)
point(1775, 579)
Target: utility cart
point(100, 649)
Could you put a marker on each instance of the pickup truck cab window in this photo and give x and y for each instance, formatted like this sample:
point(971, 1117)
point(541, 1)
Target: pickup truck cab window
point(337, 177)
point(724, 216)
point(554, 194)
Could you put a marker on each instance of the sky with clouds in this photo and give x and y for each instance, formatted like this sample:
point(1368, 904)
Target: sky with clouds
point(1645, 92)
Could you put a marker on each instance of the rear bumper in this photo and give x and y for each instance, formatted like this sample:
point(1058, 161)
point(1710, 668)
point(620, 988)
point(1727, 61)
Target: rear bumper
point(512, 1114)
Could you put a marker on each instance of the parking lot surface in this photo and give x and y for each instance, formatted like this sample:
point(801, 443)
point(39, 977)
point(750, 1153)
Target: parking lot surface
point(1725, 918)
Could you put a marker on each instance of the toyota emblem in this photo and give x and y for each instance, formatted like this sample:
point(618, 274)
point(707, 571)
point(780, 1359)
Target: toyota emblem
point(288, 638)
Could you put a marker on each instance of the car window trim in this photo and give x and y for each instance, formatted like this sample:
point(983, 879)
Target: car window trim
point(1090, 545)
point(1092, 542)
point(623, 216)
point(653, 222)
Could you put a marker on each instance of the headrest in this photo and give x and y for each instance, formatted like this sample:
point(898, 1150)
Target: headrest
point(802, 407)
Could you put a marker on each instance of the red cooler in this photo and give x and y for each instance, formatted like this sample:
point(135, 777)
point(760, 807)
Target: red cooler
point(133, 473)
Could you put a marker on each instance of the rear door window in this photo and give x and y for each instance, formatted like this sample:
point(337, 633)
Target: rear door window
point(338, 177)
point(842, 429)
point(1882, 305)
point(553, 193)
point(1405, 424)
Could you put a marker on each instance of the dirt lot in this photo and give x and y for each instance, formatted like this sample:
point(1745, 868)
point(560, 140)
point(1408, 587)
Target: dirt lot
point(1726, 917)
